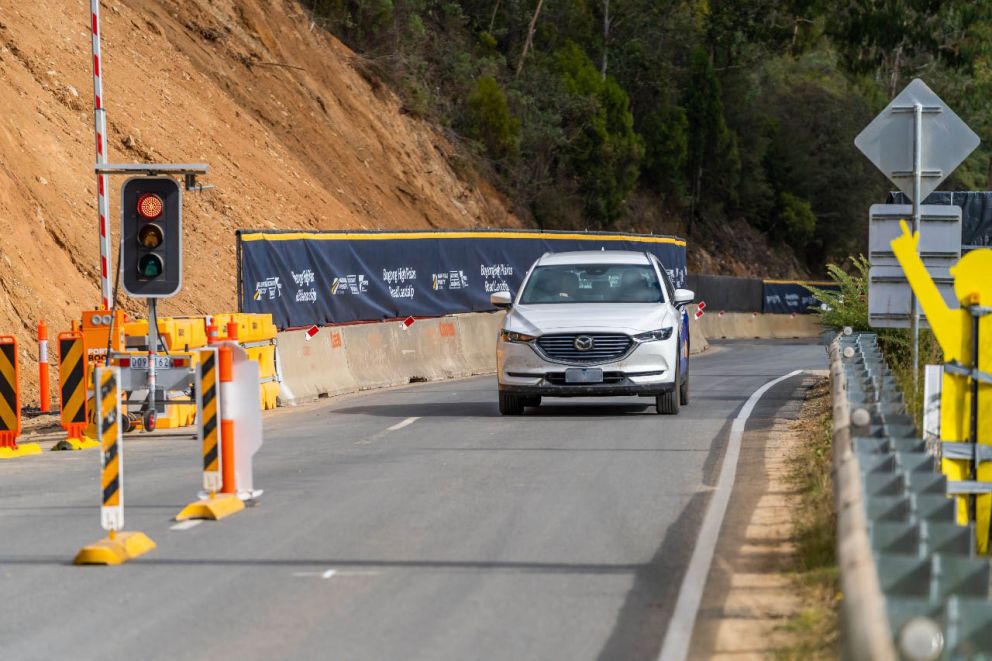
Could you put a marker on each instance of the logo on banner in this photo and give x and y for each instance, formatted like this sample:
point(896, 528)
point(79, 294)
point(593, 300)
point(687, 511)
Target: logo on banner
point(678, 276)
point(269, 289)
point(305, 292)
point(449, 280)
point(354, 284)
point(493, 277)
point(400, 281)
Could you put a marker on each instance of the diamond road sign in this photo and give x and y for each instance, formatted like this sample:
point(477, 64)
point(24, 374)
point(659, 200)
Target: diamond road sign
point(888, 140)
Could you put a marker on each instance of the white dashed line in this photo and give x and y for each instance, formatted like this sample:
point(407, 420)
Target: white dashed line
point(186, 525)
point(401, 425)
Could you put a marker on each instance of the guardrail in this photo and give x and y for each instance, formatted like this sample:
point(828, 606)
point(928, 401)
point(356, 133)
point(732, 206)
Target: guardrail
point(912, 584)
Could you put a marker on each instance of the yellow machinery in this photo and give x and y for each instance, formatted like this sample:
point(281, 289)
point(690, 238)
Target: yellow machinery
point(181, 335)
point(966, 392)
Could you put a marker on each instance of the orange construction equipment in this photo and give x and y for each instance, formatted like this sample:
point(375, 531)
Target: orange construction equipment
point(211, 330)
point(10, 403)
point(45, 394)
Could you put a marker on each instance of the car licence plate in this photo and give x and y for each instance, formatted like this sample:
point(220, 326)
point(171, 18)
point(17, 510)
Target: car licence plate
point(583, 375)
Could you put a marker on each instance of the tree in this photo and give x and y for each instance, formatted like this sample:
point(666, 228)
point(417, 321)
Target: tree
point(488, 119)
point(604, 152)
point(713, 163)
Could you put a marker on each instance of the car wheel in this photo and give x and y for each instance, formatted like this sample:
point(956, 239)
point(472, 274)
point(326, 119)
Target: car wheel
point(510, 404)
point(684, 390)
point(532, 401)
point(668, 403)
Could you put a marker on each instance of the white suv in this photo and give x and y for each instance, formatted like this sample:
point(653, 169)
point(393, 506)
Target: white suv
point(594, 324)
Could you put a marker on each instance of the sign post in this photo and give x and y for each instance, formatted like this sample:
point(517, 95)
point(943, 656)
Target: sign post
point(917, 141)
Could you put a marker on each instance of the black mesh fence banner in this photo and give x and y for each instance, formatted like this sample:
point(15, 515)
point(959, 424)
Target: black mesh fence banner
point(791, 297)
point(305, 278)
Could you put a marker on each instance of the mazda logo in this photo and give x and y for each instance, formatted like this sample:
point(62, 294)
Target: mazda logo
point(583, 343)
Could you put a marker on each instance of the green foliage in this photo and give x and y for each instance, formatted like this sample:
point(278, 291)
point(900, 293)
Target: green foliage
point(713, 161)
point(605, 152)
point(666, 148)
point(847, 307)
point(796, 219)
point(488, 119)
point(717, 110)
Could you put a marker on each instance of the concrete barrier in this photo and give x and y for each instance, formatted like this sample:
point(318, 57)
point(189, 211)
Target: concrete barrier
point(745, 325)
point(342, 359)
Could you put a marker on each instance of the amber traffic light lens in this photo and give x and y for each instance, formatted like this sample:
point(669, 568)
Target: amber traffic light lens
point(150, 206)
point(150, 266)
point(150, 236)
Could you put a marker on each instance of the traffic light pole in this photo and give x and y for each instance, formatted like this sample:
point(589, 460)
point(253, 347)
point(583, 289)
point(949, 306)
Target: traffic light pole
point(152, 350)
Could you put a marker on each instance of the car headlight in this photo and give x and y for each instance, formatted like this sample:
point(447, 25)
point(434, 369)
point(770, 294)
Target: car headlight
point(655, 335)
point(519, 338)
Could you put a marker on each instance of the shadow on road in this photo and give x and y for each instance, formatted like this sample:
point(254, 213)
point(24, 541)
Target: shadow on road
point(351, 563)
point(490, 410)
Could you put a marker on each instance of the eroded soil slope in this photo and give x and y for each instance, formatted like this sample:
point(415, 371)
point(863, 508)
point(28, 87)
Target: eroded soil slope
point(294, 135)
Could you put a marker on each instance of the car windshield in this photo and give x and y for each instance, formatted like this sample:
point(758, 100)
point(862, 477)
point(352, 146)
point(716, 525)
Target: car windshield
point(592, 283)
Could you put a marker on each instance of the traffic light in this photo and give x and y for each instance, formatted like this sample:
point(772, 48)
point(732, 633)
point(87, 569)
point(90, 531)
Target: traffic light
point(152, 237)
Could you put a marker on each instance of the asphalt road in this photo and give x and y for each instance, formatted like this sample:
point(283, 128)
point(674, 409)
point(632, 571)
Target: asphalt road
point(562, 534)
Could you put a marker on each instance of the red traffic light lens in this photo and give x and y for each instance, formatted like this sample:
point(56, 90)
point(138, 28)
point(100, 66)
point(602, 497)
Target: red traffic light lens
point(150, 206)
point(150, 236)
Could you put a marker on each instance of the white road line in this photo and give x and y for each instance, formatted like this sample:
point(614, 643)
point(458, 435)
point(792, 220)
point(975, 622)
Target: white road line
point(679, 633)
point(186, 525)
point(335, 572)
point(401, 425)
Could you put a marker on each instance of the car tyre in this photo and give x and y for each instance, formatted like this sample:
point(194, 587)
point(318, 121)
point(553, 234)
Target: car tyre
point(684, 390)
point(510, 404)
point(533, 401)
point(668, 403)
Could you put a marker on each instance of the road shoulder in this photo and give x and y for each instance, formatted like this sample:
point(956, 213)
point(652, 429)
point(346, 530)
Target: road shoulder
point(751, 594)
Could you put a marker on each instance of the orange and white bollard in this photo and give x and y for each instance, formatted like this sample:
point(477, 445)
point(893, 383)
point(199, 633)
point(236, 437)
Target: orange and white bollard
point(211, 330)
point(225, 372)
point(232, 331)
point(43, 375)
point(213, 379)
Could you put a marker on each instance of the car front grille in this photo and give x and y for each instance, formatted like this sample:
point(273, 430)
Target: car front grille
point(605, 347)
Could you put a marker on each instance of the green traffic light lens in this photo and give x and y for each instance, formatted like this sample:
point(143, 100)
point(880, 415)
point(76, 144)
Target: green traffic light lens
point(150, 266)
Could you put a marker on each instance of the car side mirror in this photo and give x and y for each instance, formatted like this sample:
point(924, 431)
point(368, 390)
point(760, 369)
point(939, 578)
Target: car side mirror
point(501, 299)
point(683, 296)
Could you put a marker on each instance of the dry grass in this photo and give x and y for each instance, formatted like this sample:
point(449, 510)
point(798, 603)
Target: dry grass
point(815, 629)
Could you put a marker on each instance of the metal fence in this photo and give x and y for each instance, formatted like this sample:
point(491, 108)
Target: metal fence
point(912, 584)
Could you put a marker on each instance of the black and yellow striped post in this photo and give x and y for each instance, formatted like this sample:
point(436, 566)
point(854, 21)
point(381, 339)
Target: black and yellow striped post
point(208, 416)
point(72, 392)
point(108, 431)
point(118, 546)
point(10, 403)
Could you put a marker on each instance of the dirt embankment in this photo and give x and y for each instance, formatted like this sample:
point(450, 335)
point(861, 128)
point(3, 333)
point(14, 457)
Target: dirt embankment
point(294, 135)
